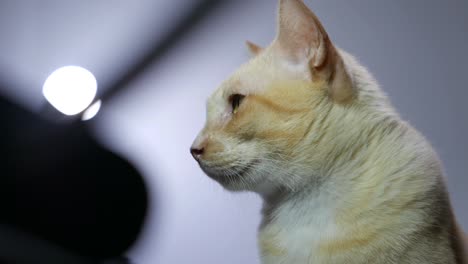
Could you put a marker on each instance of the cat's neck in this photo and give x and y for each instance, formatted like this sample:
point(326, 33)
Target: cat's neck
point(308, 204)
point(365, 178)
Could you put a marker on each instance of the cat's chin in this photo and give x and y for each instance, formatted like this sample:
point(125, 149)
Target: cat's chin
point(237, 178)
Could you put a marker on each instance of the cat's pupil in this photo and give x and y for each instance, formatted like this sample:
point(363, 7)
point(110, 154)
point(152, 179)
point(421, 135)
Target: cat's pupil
point(236, 100)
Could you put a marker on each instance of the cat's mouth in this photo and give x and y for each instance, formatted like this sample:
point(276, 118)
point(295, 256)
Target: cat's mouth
point(232, 174)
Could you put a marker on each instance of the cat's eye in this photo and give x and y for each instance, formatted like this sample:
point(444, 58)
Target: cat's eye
point(236, 100)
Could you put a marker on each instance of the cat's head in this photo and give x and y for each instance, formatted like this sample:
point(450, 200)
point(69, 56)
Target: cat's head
point(263, 122)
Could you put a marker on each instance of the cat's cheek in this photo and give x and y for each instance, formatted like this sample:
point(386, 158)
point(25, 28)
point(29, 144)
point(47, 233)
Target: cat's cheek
point(247, 136)
point(239, 129)
point(225, 117)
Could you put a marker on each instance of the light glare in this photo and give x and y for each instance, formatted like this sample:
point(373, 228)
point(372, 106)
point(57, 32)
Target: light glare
point(91, 111)
point(70, 89)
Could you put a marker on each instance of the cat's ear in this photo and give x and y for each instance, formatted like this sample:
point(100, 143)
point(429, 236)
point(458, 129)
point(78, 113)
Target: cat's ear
point(253, 48)
point(302, 39)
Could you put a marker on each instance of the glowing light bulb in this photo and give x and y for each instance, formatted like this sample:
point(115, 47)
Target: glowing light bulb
point(70, 89)
point(91, 111)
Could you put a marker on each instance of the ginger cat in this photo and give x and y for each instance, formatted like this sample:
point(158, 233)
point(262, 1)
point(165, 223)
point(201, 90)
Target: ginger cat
point(343, 178)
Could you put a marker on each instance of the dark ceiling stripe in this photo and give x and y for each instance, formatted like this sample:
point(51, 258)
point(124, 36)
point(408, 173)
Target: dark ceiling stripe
point(201, 10)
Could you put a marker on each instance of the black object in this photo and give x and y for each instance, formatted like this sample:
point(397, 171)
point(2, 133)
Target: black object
point(63, 192)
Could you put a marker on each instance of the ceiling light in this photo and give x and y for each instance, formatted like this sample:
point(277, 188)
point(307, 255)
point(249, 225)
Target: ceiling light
point(91, 111)
point(70, 89)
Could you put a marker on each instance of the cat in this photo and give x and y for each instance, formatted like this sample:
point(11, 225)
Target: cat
point(343, 179)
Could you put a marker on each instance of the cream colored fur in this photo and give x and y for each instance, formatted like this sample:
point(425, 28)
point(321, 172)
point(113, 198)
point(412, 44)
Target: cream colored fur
point(343, 178)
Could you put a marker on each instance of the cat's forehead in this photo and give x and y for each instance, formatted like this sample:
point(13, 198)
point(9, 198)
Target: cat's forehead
point(250, 78)
point(255, 76)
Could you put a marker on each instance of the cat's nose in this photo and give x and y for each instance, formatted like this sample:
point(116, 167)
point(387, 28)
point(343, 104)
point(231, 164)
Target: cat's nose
point(197, 153)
